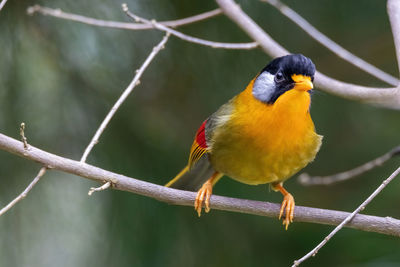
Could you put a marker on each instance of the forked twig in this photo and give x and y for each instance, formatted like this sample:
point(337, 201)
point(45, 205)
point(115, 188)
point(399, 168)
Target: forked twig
point(348, 219)
point(186, 37)
point(58, 13)
point(306, 179)
point(146, 26)
point(34, 181)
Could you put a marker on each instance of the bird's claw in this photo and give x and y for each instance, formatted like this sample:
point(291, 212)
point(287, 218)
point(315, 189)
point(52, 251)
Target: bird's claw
point(203, 195)
point(287, 207)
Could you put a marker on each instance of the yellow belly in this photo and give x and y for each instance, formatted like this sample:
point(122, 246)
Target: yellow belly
point(266, 143)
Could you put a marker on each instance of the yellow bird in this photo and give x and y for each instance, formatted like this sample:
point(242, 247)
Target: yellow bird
point(263, 135)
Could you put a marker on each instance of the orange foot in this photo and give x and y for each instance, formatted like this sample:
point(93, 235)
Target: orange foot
point(288, 206)
point(203, 194)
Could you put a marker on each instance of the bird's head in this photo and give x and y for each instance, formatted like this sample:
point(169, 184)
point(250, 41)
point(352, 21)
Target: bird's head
point(291, 72)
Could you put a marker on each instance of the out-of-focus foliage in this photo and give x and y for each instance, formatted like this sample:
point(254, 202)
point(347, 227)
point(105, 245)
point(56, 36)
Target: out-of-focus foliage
point(62, 77)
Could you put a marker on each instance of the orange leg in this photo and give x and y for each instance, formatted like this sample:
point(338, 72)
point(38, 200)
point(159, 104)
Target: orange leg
point(287, 204)
point(204, 194)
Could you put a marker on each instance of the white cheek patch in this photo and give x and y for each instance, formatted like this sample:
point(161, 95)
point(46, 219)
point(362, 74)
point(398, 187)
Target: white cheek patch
point(264, 87)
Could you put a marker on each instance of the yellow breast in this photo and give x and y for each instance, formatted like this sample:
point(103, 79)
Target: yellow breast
point(264, 143)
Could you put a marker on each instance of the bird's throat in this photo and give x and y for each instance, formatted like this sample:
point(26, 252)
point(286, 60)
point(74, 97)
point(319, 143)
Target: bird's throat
point(292, 102)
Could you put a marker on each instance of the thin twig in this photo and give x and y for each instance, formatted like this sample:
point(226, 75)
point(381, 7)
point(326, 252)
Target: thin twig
point(25, 192)
point(42, 171)
point(100, 188)
point(386, 225)
point(306, 179)
point(22, 133)
point(124, 95)
point(331, 45)
point(2, 4)
point(186, 37)
point(348, 219)
point(58, 13)
point(145, 26)
point(385, 97)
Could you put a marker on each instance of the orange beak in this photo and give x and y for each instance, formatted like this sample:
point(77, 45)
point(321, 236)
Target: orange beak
point(302, 83)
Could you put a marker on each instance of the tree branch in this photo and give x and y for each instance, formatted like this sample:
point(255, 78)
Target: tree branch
point(306, 179)
point(393, 9)
point(331, 45)
point(58, 13)
point(122, 98)
point(99, 131)
point(386, 97)
point(186, 37)
point(25, 192)
point(314, 251)
point(387, 225)
point(146, 26)
point(2, 4)
point(42, 171)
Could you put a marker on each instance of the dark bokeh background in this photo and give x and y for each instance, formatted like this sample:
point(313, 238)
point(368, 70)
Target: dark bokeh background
point(62, 77)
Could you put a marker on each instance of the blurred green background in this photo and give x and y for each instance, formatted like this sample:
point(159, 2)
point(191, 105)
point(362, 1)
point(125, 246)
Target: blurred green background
point(61, 78)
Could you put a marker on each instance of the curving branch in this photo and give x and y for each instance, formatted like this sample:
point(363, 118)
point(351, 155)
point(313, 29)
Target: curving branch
point(387, 225)
point(58, 13)
point(385, 97)
point(186, 37)
point(146, 26)
point(306, 179)
point(331, 45)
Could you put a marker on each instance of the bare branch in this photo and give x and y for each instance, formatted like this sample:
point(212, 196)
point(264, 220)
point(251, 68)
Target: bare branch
point(58, 13)
point(387, 225)
point(393, 9)
point(101, 188)
point(122, 98)
point(331, 45)
point(306, 179)
point(2, 4)
point(348, 218)
point(42, 171)
point(386, 97)
point(25, 192)
point(186, 37)
point(145, 26)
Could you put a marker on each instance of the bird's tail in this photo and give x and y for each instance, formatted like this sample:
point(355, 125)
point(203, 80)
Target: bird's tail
point(192, 179)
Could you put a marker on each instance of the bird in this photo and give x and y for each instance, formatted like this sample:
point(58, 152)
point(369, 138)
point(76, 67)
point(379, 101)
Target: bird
point(263, 135)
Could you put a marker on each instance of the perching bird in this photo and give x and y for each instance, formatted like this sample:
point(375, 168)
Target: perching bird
point(263, 135)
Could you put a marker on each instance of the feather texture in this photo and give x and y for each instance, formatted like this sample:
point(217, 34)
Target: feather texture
point(199, 146)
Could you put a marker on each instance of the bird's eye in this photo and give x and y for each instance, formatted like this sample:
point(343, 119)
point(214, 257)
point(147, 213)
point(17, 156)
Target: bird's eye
point(279, 77)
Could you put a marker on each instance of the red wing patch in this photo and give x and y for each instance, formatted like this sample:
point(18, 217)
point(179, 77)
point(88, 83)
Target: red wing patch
point(199, 146)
